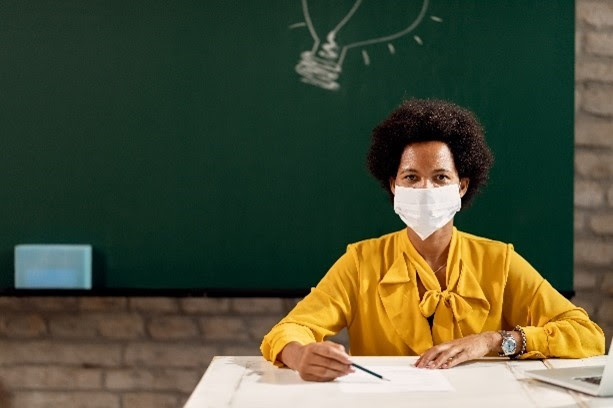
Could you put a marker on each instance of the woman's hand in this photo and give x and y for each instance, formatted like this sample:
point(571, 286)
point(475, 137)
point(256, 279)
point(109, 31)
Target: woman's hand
point(317, 361)
point(457, 351)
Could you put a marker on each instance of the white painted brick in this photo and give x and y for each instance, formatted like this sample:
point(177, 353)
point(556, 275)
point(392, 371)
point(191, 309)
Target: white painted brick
point(594, 165)
point(599, 43)
point(598, 99)
point(588, 194)
point(594, 70)
point(595, 13)
point(591, 131)
point(593, 252)
point(602, 223)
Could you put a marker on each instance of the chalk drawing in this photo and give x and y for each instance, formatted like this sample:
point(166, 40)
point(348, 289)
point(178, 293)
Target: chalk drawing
point(322, 65)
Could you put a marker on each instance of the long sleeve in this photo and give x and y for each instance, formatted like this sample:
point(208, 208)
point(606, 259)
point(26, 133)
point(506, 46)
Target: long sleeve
point(554, 327)
point(326, 310)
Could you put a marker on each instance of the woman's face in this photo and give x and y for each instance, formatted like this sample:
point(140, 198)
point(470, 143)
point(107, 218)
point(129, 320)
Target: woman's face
point(427, 165)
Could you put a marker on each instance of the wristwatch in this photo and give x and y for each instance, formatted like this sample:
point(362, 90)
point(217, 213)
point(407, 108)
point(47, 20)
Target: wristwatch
point(509, 345)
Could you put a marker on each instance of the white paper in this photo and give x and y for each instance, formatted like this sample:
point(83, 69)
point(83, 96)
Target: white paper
point(402, 379)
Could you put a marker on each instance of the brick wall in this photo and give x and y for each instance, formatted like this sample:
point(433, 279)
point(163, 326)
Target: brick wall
point(594, 160)
point(121, 352)
point(150, 352)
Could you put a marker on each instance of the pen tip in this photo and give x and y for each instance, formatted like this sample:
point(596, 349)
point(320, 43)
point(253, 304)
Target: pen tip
point(385, 379)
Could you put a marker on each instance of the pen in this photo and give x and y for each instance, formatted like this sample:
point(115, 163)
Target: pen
point(369, 372)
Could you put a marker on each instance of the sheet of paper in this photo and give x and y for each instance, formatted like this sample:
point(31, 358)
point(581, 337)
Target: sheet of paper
point(402, 379)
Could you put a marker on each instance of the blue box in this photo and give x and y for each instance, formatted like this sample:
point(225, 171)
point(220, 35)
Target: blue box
point(53, 267)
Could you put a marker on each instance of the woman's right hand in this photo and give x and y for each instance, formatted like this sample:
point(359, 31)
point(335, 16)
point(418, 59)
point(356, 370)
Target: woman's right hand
point(317, 361)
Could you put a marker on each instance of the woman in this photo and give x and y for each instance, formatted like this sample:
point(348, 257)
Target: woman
point(429, 289)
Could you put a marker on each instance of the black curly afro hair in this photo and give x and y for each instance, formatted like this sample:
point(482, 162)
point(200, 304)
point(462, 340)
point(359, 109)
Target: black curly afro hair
point(423, 120)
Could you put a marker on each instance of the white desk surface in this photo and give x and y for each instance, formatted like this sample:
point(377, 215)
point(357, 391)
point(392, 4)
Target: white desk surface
point(241, 382)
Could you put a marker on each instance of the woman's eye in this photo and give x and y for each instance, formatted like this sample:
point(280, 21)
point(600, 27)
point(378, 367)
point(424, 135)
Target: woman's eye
point(442, 177)
point(411, 177)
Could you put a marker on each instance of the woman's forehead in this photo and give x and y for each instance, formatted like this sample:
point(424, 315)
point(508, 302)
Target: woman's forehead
point(427, 154)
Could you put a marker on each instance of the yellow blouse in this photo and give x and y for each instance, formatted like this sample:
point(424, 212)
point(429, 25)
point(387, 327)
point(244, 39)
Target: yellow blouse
point(372, 291)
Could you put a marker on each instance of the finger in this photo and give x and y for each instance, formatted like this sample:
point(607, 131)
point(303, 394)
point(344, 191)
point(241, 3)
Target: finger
point(324, 373)
point(430, 355)
point(457, 359)
point(446, 356)
point(331, 363)
point(327, 350)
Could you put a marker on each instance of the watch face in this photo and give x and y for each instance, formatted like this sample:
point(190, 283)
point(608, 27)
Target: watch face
point(508, 346)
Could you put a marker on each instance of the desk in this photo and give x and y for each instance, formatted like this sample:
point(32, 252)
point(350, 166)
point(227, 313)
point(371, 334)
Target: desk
point(252, 382)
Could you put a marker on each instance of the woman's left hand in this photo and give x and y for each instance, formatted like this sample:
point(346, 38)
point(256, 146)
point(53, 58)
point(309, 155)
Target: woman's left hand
point(457, 351)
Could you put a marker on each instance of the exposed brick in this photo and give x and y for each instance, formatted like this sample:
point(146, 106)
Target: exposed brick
point(588, 194)
point(172, 328)
point(169, 355)
point(595, 70)
point(257, 305)
point(579, 221)
point(610, 196)
point(607, 284)
point(595, 13)
point(154, 304)
point(341, 337)
point(184, 380)
point(605, 311)
point(252, 349)
point(577, 99)
point(591, 131)
point(149, 400)
point(602, 223)
point(122, 326)
point(598, 99)
point(594, 165)
point(224, 328)
point(578, 42)
point(205, 305)
point(106, 304)
point(22, 325)
point(49, 377)
point(289, 304)
point(54, 303)
point(593, 252)
point(599, 43)
point(584, 280)
point(47, 352)
point(586, 302)
point(66, 399)
point(259, 326)
point(73, 326)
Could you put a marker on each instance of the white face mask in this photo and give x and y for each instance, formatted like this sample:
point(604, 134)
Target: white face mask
point(425, 210)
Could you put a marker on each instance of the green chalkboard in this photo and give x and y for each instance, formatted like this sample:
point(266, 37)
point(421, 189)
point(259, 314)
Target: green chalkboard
point(198, 144)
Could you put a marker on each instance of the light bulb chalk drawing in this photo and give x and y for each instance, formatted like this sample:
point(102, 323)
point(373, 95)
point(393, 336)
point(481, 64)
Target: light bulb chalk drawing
point(321, 66)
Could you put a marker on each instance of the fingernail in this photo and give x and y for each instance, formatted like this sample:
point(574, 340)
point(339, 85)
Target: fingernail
point(430, 364)
point(444, 365)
